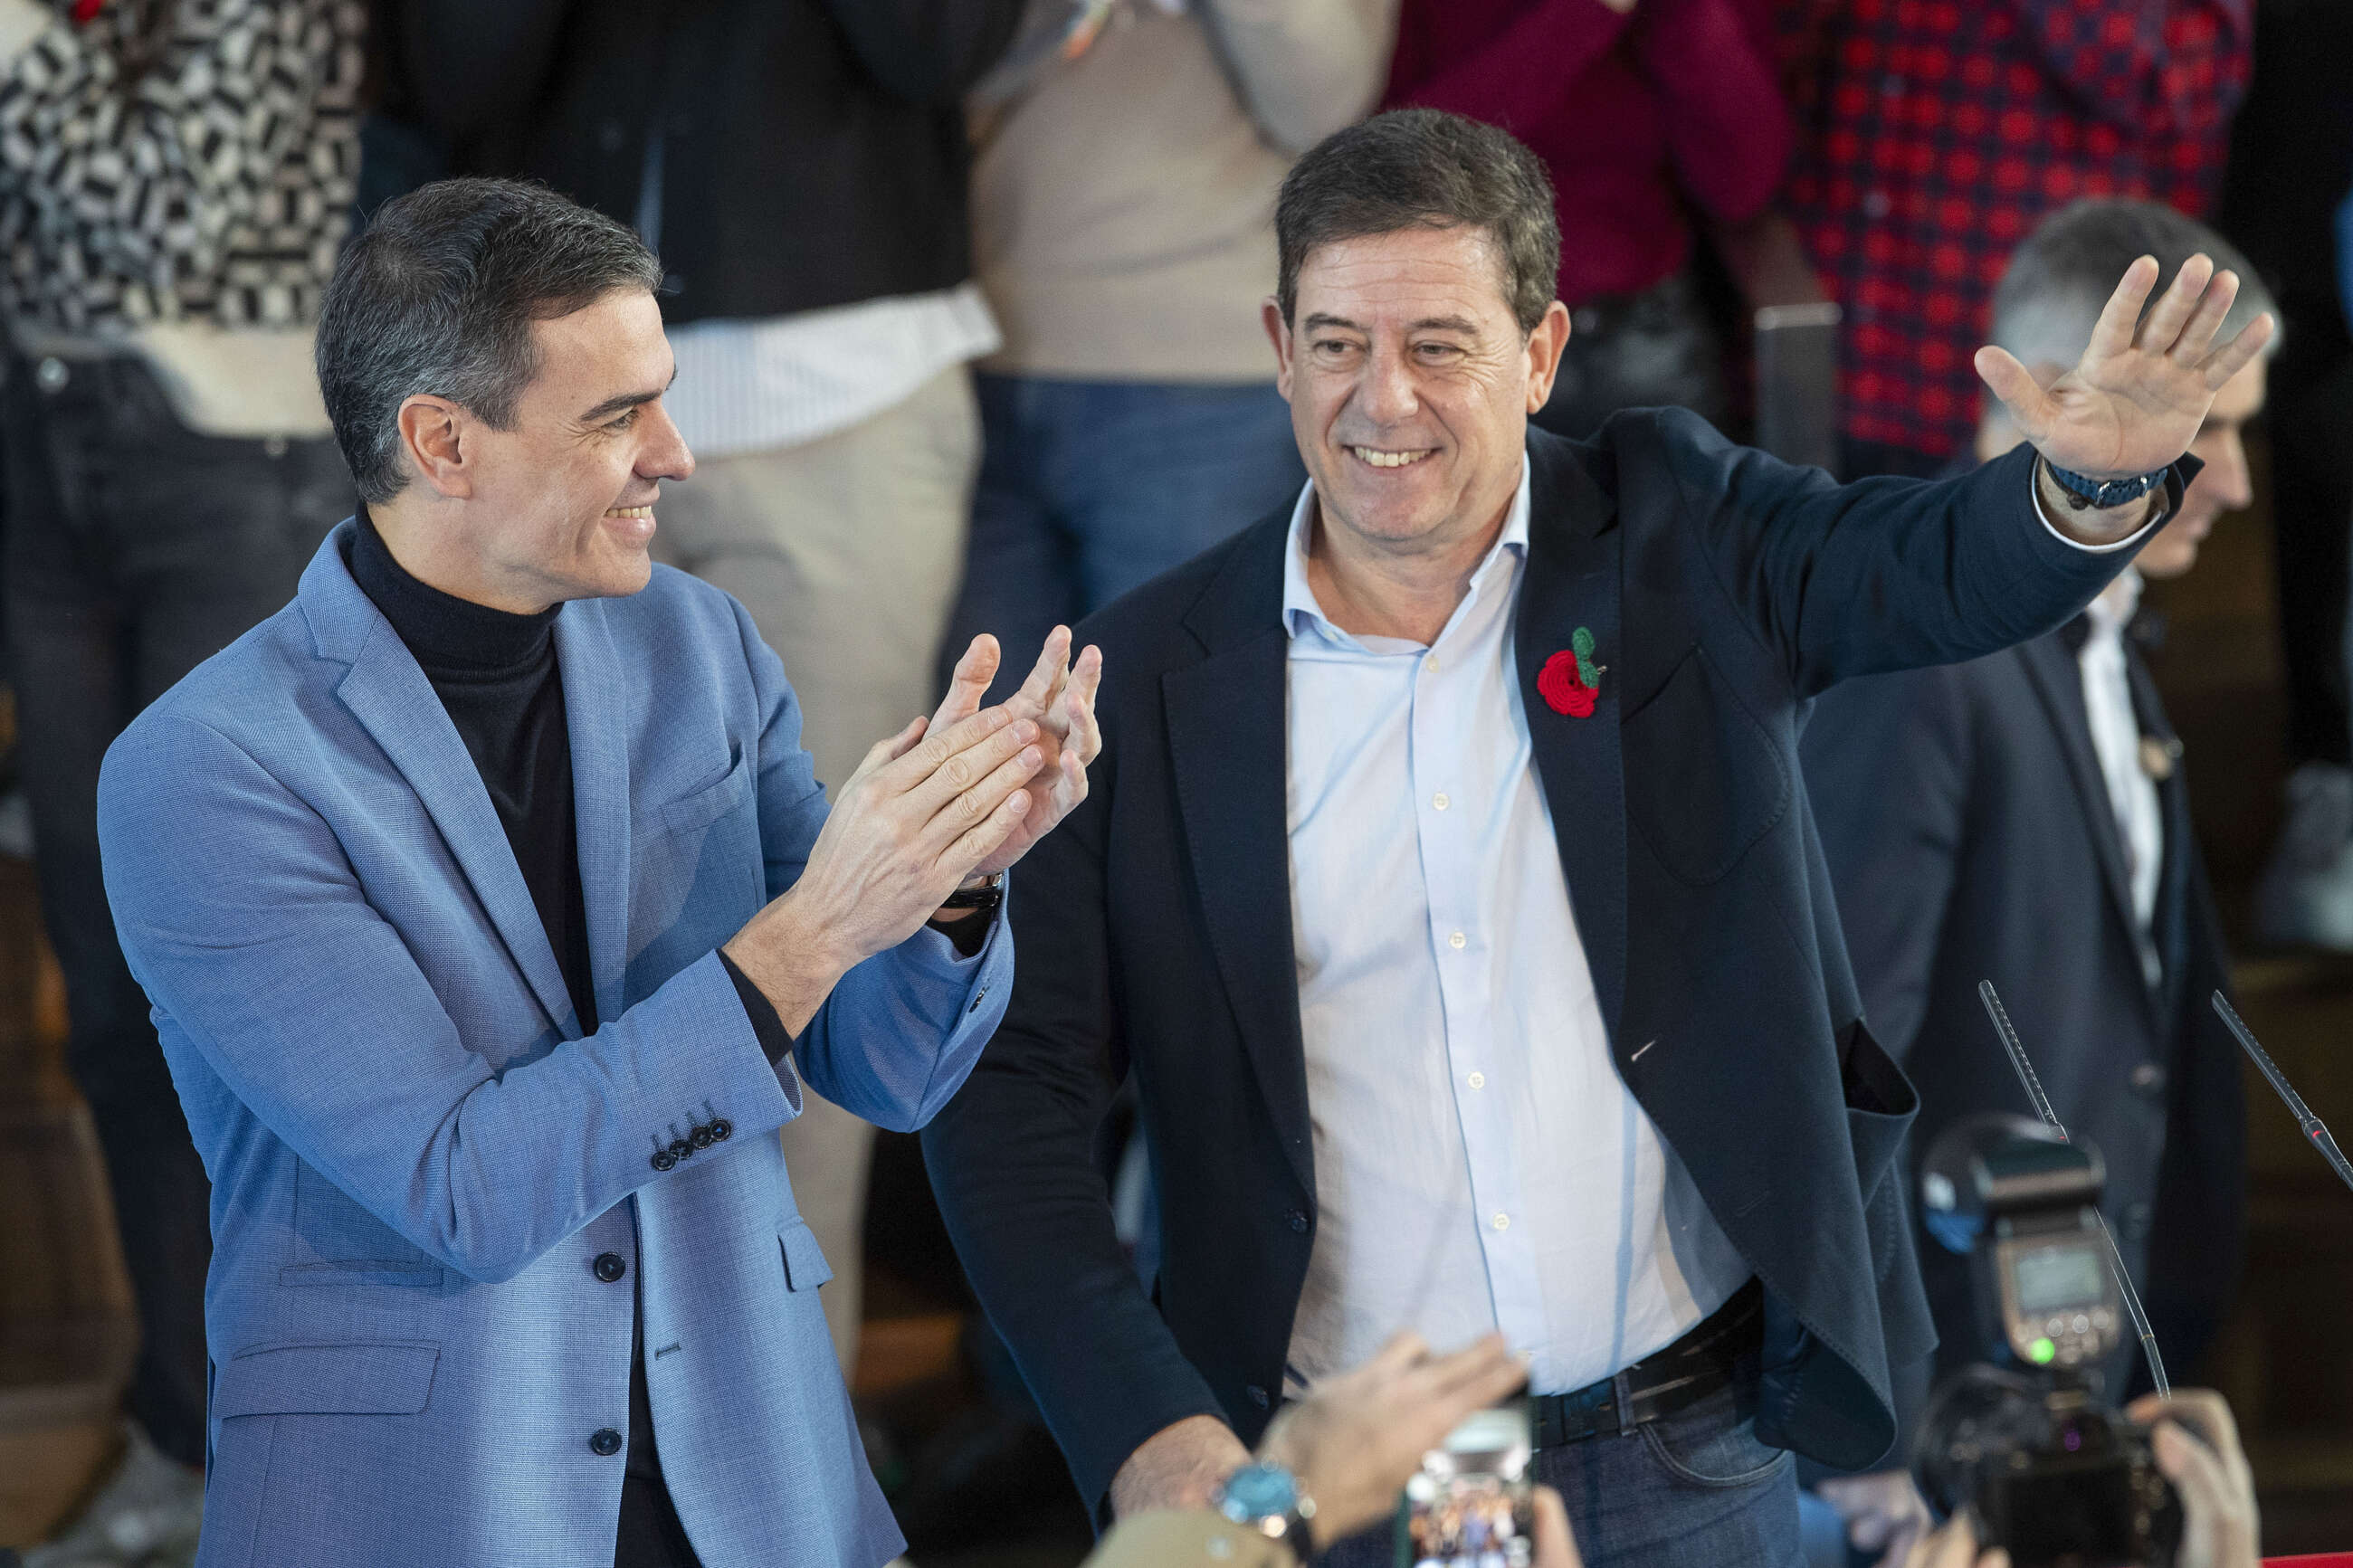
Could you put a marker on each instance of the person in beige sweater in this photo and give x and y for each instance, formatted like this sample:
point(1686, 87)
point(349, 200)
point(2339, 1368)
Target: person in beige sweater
point(1123, 200)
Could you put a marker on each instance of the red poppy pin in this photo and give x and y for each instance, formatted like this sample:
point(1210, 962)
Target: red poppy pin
point(1570, 682)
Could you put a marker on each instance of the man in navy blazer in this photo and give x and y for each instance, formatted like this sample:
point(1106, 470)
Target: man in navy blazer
point(2024, 818)
point(493, 918)
point(1450, 888)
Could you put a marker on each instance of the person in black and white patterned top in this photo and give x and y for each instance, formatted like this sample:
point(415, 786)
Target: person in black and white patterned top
point(175, 180)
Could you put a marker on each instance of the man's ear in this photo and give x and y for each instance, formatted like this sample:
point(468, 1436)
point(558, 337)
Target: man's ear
point(1278, 332)
point(1545, 345)
point(433, 433)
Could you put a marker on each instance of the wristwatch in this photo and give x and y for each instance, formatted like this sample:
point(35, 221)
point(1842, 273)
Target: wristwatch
point(984, 894)
point(1269, 1499)
point(2085, 494)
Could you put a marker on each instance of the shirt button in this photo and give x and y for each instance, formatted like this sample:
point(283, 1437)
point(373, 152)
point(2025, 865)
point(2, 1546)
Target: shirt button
point(1501, 1222)
point(609, 1267)
point(604, 1442)
point(2149, 1079)
point(1431, 664)
point(1456, 941)
point(1478, 1080)
point(1440, 800)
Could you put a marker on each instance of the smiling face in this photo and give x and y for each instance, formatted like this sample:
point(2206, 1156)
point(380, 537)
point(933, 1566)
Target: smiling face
point(560, 505)
point(1410, 386)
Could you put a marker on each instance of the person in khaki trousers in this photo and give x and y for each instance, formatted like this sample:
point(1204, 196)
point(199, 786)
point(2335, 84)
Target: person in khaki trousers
point(845, 548)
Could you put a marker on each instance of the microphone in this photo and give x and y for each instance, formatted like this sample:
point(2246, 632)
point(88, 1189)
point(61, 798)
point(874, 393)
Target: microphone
point(2042, 1103)
point(2288, 1096)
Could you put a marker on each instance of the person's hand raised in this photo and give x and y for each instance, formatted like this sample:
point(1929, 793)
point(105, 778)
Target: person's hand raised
point(1059, 696)
point(2134, 402)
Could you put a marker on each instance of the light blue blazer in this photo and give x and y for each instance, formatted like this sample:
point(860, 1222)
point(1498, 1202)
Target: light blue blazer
point(415, 1156)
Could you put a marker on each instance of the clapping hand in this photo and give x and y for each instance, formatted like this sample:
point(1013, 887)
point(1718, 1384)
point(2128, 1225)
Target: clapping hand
point(1058, 697)
point(2134, 402)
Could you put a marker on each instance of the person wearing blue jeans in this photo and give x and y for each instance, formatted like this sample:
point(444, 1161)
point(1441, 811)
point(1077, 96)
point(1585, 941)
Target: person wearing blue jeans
point(1123, 204)
point(1089, 488)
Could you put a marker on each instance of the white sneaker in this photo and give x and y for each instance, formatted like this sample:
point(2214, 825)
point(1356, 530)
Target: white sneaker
point(147, 1516)
point(2305, 897)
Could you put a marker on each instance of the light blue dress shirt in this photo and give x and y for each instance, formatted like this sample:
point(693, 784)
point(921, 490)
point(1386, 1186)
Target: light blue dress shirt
point(1479, 1164)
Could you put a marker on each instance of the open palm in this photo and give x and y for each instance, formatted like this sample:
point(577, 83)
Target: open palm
point(2134, 402)
point(1060, 697)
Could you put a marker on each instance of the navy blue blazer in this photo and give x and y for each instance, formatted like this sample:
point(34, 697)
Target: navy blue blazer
point(1723, 589)
point(1970, 837)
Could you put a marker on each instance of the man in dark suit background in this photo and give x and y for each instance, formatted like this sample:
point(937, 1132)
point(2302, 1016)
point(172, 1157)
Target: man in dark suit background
point(1451, 891)
point(2024, 818)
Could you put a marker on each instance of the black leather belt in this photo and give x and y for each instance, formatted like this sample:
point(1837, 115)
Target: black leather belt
point(1724, 1348)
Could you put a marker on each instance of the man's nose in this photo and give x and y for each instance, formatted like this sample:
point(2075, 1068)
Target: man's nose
point(2228, 473)
point(665, 455)
point(1387, 395)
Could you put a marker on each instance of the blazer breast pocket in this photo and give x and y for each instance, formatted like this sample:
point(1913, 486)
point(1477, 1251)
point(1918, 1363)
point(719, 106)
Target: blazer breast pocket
point(1703, 780)
point(704, 804)
point(338, 1242)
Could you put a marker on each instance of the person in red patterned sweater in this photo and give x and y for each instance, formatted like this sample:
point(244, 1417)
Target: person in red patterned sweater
point(1933, 136)
point(1646, 114)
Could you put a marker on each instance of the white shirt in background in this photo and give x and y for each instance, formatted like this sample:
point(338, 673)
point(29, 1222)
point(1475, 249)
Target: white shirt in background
point(754, 385)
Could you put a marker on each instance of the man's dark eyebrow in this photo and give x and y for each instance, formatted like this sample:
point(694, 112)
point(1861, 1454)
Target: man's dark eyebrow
point(1462, 324)
point(614, 405)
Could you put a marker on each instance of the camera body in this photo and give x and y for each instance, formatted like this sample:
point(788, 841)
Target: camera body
point(2025, 1439)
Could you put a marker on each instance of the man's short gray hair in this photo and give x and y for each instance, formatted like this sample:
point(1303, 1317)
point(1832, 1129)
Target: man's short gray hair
point(2058, 282)
point(437, 296)
point(1419, 168)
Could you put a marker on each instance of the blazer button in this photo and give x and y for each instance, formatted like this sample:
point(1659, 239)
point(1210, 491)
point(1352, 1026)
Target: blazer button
point(1299, 1220)
point(681, 1150)
point(604, 1442)
point(703, 1137)
point(1257, 1396)
point(609, 1267)
point(721, 1129)
point(663, 1160)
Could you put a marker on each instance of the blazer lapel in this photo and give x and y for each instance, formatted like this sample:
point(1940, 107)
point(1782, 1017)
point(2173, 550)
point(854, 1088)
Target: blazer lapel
point(1228, 750)
point(2058, 680)
point(597, 701)
point(388, 692)
point(1573, 581)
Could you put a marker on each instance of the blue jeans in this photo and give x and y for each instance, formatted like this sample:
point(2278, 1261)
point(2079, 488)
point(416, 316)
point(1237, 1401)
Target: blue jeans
point(1088, 489)
point(1694, 1490)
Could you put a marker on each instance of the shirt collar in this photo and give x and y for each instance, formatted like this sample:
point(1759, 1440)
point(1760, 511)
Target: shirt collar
point(1300, 610)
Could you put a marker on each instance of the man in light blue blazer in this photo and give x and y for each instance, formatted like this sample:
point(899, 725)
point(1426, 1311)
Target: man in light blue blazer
point(493, 920)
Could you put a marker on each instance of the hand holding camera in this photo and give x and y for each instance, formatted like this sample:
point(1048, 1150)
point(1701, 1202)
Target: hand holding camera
point(2197, 1447)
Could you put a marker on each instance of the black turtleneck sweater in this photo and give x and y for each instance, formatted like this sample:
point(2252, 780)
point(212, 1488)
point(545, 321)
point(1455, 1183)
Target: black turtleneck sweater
point(495, 673)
